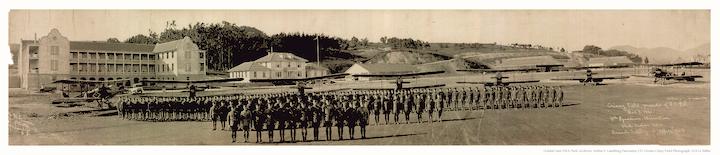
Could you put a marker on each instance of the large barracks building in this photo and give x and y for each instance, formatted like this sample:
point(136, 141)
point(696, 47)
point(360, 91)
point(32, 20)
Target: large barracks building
point(54, 57)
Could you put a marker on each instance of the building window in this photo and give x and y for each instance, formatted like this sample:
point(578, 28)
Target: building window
point(74, 55)
point(278, 66)
point(92, 55)
point(54, 65)
point(279, 74)
point(202, 55)
point(298, 65)
point(254, 74)
point(172, 67)
point(102, 55)
point(202, 66)
point(172, 55)
point(263, 75)
point(84, 55)
point(188, 67)
point(111, 56)
point(54, 50)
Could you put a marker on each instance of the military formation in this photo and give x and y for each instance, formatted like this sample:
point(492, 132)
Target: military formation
point(343, 110)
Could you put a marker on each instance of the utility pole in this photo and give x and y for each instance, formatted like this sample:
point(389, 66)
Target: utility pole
point(317, 49)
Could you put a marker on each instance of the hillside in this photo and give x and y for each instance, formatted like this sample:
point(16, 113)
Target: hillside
point(665, 54)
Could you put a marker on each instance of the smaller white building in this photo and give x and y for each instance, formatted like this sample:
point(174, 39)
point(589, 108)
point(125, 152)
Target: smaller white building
point(277, 65)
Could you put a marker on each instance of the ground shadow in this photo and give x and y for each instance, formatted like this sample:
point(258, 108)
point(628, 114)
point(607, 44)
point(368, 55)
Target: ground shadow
point(345, 139)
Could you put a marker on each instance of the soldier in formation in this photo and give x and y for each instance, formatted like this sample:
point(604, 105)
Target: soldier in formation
point(281, 111)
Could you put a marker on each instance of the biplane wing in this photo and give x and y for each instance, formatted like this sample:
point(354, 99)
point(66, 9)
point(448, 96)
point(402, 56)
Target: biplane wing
point(399, 75)
point(498, 70)
point(686, 77)
point(70, 81)
point(294, 80)
point(595, 67)
point(411, 87)
point(503, 82)
point(599, 78)
point(193, 81)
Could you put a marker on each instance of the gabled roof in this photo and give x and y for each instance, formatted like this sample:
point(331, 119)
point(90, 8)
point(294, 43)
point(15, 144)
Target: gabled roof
point(171, 45)
point(529, 61)
point(387, 68)
point(249, 66)
point(280, 56)
point(105, 46)
point(610, 60)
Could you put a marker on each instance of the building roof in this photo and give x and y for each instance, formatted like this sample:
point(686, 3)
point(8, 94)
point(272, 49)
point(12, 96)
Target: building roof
point(105, 46)
point(249, 66)
point(386, 68)
point(529, 61)
point(610, 60)
point(280, 56)
point(171, 45)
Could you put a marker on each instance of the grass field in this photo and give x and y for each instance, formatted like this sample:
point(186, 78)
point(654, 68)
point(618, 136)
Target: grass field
point(632, 111)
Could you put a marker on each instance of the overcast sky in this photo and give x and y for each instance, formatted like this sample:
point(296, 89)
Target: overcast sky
point(570, 29)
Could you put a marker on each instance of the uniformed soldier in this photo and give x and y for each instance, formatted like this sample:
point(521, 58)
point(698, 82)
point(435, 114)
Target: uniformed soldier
point(407, 103)
point(305, 113)
point(351, 116)
point(377, 107)
point(560, 96)
point(269, 118)
point(259, 114)
point(418, 105)
point(440, 103)
point(364, 116)
point(246, 116)
point(292, 114)
point(454, 97)
point(397, 106)
point(340, 117)
point(429, 101)
point(387, 106)
point(234, 120)
point(316, 113)
point(329, 111)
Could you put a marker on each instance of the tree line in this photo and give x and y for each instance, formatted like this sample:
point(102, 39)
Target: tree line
point(592, 49)
point(227, 44)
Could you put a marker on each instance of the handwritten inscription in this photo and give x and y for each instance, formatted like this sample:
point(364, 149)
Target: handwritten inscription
point(647, 118)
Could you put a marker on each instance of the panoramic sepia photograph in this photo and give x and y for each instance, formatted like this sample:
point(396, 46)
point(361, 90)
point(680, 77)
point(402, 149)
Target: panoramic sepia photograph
point(359, 77)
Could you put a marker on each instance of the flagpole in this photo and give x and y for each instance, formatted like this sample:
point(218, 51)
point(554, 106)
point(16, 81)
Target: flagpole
point(317, 49)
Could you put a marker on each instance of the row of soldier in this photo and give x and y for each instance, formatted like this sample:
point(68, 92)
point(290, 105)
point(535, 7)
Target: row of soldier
point(340, 109)
point(197, 108)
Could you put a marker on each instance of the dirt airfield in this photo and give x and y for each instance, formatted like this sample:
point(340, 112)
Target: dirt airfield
point(631, 111)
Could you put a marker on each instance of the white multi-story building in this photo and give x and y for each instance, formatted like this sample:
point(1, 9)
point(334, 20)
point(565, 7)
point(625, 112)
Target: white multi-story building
point(277, 65)
point(54, 57)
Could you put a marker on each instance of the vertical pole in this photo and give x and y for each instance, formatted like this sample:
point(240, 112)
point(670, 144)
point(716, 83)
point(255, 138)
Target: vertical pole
point(317, 49)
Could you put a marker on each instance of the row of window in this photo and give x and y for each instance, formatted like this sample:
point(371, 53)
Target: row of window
point(277, 65)
point(277, 74)
point(123, 67)
point(111, 56)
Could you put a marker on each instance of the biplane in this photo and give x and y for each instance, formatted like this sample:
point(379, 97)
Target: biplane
point(399, 82)
point(660, 74)
point(300, 83)
point(498, 78)
point(103, 91)
point(590, 79)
